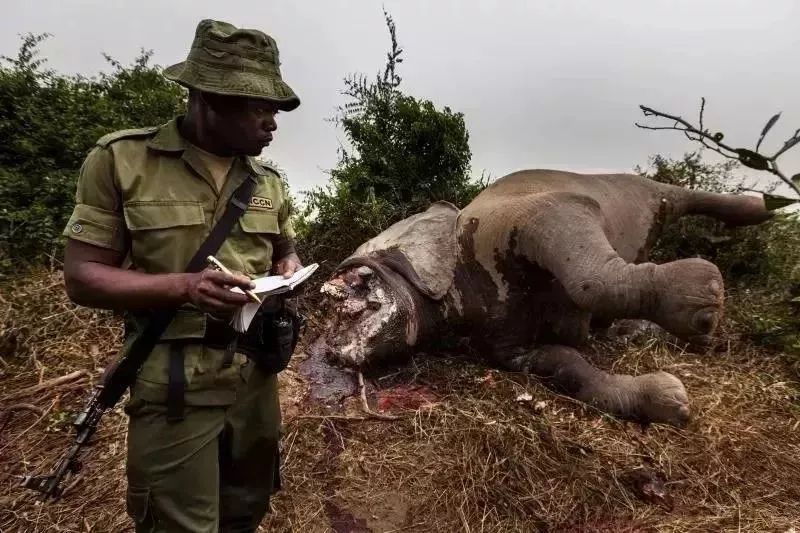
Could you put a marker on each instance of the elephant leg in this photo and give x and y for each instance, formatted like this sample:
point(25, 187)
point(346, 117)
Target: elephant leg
point(658, 397)
point(567, 238)
point(731, 209)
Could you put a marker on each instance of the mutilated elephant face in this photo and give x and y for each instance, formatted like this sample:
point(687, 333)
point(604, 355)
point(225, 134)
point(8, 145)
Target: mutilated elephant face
point(368, 317)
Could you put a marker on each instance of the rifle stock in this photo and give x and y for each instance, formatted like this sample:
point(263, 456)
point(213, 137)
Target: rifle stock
point(85, 425)
point(117, 378)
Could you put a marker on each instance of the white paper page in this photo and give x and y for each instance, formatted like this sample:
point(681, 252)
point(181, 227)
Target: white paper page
point(244, 315)
point(270, 283)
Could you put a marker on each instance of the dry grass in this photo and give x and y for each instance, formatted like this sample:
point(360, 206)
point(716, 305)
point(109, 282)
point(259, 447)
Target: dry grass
point(475, 460)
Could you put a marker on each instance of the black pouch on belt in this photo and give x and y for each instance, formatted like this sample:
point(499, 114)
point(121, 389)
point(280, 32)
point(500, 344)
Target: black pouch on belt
point(272, 337)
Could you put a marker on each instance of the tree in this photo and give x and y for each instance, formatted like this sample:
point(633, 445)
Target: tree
point(403, 154)
point(48, 123)
point(750, 158)
point(763, 261)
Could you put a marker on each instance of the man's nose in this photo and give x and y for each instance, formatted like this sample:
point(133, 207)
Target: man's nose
point(270, 124)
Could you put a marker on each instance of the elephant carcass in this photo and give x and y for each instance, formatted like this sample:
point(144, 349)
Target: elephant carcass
point(524, 268)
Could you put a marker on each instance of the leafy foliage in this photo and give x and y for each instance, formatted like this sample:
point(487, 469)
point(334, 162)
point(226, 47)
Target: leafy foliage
point(767, 309)
point(738, 252)
point(48, 123)
point(404, 154)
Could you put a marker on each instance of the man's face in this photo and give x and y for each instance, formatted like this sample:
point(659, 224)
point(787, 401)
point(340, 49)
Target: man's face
point(240, 125)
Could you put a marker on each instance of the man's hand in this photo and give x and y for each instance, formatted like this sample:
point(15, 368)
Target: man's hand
point(210, 291)
point(94, 278)
point(288, 265)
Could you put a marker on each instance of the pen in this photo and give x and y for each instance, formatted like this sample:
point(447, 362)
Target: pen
point(219, 266)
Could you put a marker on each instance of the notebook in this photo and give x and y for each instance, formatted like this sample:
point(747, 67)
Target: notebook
point(265, 287)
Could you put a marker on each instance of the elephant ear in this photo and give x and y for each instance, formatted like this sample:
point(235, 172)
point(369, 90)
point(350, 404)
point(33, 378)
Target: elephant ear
point(426, 241)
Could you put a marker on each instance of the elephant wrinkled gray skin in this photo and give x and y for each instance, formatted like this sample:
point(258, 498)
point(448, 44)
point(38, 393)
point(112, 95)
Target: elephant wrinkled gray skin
point(524, 268)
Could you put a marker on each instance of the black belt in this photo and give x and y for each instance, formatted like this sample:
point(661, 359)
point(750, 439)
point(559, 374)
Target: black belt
point(268, 342)
point(218, 334)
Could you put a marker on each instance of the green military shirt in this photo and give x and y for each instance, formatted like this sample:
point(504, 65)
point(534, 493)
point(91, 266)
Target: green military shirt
point(146, 193)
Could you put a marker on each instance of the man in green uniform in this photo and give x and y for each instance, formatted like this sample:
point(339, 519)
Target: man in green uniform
point(146, 199)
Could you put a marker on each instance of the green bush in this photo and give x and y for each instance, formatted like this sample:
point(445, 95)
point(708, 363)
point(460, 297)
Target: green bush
point(404, 154)
point(48, 123)
point(738, 252)
point(759, 263)
point(767, 308)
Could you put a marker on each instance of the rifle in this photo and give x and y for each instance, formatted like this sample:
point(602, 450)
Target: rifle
point(85, 425)
point(115, 381)
point(121, 375)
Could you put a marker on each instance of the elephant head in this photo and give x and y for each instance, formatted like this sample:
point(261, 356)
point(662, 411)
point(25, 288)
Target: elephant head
point(383, 299)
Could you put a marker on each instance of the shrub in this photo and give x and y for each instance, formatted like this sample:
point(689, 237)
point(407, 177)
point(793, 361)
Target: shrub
point(759, 263)
point(404, 154)
point(48, 123)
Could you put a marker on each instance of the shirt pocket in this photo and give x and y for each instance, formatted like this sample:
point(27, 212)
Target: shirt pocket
point(254, 242)
point(165, 234)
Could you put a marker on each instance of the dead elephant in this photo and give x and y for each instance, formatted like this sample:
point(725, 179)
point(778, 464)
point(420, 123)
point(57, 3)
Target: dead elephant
point(525, 268)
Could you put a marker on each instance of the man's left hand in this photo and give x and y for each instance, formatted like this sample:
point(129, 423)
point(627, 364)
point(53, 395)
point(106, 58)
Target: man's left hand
point(288, 265)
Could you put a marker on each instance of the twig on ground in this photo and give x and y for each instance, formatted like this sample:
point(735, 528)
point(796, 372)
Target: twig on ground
point(45, 385)
point(23, 407)
point(365, 404)
point(331, 417)
point(406, 527)
point(464, 521)
point(72, 485)
point(41, 417)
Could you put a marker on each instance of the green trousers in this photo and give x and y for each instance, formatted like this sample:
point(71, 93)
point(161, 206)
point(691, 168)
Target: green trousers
point(213, 471)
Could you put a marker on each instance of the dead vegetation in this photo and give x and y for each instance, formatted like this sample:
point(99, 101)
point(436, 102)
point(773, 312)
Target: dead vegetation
point(473, 449)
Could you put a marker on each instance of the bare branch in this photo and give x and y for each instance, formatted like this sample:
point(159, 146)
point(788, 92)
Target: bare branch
point(687, 127)
point(702, 110)
point(656, 127)
point(749, 158)
point(775, 170)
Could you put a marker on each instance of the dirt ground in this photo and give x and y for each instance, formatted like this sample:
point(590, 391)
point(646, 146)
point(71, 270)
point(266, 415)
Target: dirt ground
point(471, 449)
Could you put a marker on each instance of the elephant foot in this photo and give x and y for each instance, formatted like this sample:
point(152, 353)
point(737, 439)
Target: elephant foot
point(658, 397)
point(689, 299)
point(662, 398)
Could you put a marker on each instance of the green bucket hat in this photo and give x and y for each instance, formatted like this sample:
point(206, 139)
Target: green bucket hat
point(235, 62)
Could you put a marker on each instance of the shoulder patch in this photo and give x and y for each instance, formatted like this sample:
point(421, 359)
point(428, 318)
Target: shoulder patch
point(105, 140)
point(262, 168)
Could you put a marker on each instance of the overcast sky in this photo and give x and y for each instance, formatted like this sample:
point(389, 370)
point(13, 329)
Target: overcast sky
point(542, 84)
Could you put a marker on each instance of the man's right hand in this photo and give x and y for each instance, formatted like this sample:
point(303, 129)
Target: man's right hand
point(209, 290)
point(94, 278)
